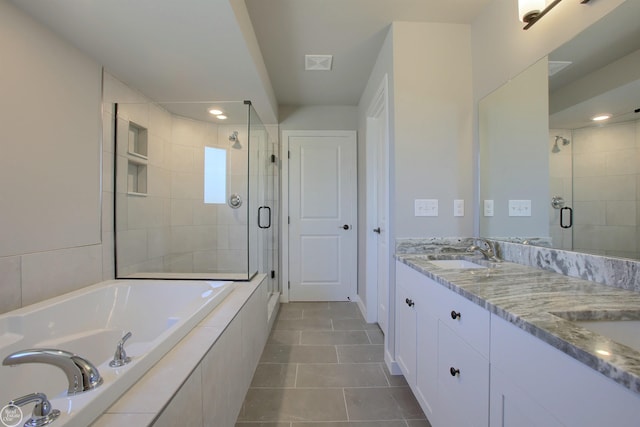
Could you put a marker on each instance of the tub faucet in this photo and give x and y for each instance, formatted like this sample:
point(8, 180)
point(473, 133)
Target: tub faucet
point(81, 374)
point(489, 252)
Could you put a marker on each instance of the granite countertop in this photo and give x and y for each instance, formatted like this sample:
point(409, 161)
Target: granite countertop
point(544, 304)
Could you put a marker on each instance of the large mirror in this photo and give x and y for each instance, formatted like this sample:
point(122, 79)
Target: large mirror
point(551, 175)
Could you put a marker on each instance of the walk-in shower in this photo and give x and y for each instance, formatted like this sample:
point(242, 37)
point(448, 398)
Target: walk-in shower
point(196, 193)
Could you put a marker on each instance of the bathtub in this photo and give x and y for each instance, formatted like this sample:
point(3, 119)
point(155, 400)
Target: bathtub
point(90, 322)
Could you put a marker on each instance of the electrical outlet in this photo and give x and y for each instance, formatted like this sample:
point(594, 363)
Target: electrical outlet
point(458, 207)
point(519, 207)
point(426, 207)
point(488, 208)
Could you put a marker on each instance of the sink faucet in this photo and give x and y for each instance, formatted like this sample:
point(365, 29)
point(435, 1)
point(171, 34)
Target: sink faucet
point(81, 374)
point(489, 252)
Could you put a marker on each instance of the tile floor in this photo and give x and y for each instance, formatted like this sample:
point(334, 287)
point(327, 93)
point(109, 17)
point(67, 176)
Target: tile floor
point(323, 366)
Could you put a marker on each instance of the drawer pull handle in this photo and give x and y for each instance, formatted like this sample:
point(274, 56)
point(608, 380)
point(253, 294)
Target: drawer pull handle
point(455, 315)
point(453, 371)
point(409, 302)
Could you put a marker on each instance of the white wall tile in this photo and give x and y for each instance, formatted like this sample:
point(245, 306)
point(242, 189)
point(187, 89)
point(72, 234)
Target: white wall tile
point(188, 132)
point(108, 254)
point(181, 212)
point(10, 288)
point(186, 406)
point(52, 273)
point(132, 247)
point(159, 122)
point(621, 213)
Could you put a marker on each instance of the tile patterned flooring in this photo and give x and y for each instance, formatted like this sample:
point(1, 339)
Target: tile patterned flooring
point(323, 366)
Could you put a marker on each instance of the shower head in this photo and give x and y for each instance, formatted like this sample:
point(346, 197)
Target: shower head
point(564, 141)
point(236, 141)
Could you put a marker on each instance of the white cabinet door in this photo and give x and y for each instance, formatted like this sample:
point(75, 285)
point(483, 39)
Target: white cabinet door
point(510, 406)
point(406, 332)
point(463, 382)
point(426, 389)
point(572, 392)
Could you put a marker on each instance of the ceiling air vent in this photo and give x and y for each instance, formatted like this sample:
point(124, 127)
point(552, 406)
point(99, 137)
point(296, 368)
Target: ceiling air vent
point(318, 62)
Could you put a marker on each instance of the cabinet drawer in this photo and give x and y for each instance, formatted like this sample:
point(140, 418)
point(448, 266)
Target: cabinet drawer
point(467, 319)
point(463, 382)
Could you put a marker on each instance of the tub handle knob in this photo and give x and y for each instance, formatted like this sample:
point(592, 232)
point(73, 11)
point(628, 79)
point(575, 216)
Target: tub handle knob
point(42, 415)
point(120, 358)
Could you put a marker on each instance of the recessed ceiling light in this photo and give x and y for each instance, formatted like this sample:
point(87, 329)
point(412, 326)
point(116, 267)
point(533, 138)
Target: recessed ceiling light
point(221, 117)
point(601, 117)
point(215, 111)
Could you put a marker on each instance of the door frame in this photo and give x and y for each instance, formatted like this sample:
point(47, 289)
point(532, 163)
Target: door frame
point(286, 134)
point(378, 110)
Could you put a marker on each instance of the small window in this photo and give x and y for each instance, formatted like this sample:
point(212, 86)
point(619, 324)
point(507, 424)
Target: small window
point(215, 175)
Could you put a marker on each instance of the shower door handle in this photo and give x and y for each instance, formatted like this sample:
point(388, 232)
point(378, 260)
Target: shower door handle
point(260, 217)
point(562, 223)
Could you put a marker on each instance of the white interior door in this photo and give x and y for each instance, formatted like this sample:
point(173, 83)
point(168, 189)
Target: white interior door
point(322, 215)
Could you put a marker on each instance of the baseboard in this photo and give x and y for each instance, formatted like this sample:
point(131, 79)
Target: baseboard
point(392, 365)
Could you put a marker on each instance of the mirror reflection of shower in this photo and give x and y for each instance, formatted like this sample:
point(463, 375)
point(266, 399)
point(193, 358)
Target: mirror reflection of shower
point(556, 148)
point(236, 141)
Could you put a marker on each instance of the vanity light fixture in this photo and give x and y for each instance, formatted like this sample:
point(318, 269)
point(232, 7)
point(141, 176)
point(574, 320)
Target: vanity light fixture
point(601, 117)
point(530, 11)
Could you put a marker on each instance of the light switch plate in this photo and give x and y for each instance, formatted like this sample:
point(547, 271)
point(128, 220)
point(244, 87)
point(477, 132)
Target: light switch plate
point(488, 207)
point(426, 207)
point(519, 207)
point(458, 207)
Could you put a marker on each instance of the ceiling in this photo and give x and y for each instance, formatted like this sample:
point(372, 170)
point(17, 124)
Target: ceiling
point(222, 50)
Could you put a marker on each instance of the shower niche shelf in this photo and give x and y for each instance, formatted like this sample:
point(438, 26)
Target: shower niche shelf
point(136, 178)
point(137, 157)
point(138, 142)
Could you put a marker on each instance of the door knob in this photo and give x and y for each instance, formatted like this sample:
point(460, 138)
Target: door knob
point(376, 230)
point(345, 227)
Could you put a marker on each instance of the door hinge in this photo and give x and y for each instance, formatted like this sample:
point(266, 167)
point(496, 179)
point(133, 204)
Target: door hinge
point(273, 274)
point(288, 285)
point(288, 220)
point(273, 158)
point(289, 154)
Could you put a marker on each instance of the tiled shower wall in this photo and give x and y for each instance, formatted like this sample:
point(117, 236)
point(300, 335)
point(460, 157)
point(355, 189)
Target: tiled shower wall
point(171, 229)
point(606, 189)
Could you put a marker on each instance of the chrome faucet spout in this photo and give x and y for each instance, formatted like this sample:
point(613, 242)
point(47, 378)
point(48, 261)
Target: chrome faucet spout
point(81, 374)
point(489, 252)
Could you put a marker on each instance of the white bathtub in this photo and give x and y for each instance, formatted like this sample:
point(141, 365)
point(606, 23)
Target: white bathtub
point(90, 322)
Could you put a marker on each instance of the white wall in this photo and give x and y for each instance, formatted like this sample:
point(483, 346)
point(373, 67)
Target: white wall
point(51, 240)
point(318, 117)
point(433, 118)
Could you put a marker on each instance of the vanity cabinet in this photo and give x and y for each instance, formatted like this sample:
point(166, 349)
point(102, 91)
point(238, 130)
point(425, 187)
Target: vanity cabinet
point(468, 367)
point(535, 384)
point(438, 350)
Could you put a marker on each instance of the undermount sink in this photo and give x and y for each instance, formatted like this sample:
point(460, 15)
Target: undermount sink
point(455, 263)
point(625, 332)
